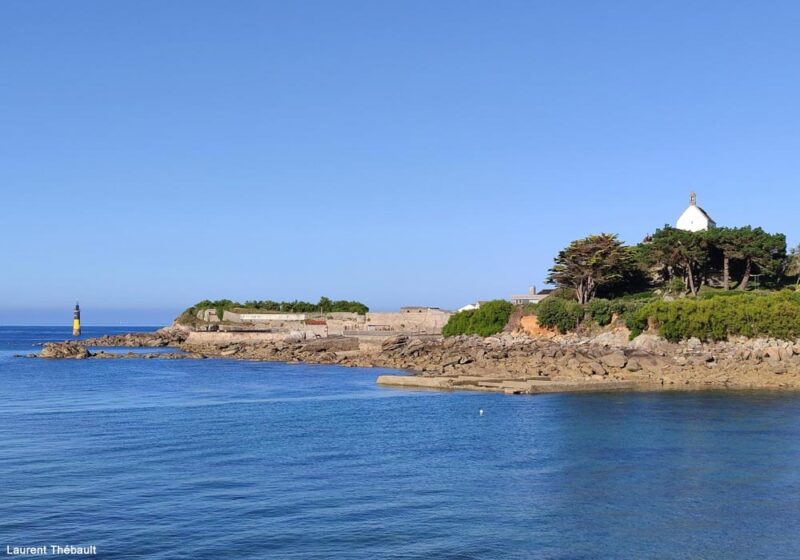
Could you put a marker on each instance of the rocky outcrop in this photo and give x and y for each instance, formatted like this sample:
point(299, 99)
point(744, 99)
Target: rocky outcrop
point(71, 350)
point(647, 362)
point(148, 355)
point(512, 363)
point(170, 336)
point(64, 350)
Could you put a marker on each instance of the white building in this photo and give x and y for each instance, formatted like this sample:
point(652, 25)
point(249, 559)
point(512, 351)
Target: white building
point(694, 218)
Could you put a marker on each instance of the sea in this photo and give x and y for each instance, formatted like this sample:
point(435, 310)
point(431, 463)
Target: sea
point(223, 459)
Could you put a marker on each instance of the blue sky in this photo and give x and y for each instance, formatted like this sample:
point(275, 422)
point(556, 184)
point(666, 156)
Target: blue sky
point(402, 153)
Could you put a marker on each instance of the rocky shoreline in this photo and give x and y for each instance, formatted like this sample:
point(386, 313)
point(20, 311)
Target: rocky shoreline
point(509, 363)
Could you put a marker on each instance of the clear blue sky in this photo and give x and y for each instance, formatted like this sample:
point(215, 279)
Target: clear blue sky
point(155, 153)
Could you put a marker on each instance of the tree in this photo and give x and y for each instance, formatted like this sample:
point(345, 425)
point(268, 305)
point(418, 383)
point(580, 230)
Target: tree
point(761, 251)
point(325, 304)
point(586, 264)
point(679, 252)
point(793, 264)
point(728, 242)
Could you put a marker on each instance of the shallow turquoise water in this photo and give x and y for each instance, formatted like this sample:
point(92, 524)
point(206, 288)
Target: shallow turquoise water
point(225, 459)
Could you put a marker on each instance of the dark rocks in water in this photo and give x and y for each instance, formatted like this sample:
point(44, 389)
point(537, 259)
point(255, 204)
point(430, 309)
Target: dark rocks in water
point(158, 339)
point(65, 350)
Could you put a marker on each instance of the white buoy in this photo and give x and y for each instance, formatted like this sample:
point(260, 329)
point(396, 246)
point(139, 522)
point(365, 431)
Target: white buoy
point(480, 412)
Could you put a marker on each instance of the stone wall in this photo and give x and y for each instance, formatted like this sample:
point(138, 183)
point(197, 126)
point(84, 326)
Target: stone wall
point(219, 338)
point(409, 320)
point(412, 320)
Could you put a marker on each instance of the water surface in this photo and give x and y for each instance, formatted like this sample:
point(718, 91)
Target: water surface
point(225, 459)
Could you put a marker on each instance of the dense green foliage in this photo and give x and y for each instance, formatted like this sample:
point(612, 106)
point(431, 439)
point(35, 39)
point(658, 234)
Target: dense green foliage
point(718, 316)
point(490, 318)
point(563, 314)
point(590, 263)
point(673, 263)
point(324, 305)
point(678, 252)
point(793, 264)
point(600, 310)
point(680, 262)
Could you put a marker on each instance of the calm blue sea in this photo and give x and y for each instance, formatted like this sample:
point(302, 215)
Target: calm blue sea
point(224, 459)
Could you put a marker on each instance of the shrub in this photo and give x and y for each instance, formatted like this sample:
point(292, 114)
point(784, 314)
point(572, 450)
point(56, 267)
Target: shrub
point(600, 310)
point(458, 323)
point(717, 317)
point(490, 318)
point(676, 286)
point(559, 313)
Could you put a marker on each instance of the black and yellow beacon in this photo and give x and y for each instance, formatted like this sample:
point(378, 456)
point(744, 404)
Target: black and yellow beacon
point(76, 320)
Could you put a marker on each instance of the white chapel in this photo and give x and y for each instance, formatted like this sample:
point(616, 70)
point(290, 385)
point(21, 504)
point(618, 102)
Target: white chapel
point(694, 218)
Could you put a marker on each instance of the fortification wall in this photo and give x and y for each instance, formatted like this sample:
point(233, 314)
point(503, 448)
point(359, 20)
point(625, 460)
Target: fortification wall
point(410, 320)
point(421, 320)
point(222, 338)
point(236, 317)
point(307, 332)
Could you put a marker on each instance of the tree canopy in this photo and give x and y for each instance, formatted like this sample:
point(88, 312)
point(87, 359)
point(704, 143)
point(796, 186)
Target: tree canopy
point(761, 252)
point(676, 259)
point(591, 262)
point(324, 305)
point(678, 253)
point(793, 264)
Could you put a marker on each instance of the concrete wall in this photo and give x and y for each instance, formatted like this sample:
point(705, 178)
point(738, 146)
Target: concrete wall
point(262, 317)
point(408, 319)
point(266, 317)
point(222, 338)
point(344, 326)
point(420, 320)
point(208, 315)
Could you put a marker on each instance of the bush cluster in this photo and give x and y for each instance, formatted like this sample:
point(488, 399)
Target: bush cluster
point(490, 318)
point(565, 315)
point(601, 310)
point(716, 317)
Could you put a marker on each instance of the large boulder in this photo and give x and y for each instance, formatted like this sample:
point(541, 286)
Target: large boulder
point(614, 359)
point(394, 342)
point(331, 344)
point(617, 338)
point(694, 343)
point(649, 343)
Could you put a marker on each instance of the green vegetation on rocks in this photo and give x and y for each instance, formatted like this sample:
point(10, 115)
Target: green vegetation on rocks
point(719, 316)
point(490, 318)
point(600, 310)
point(324, 305)
point(680, 262)
point(680, 283)
point(559, 313)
